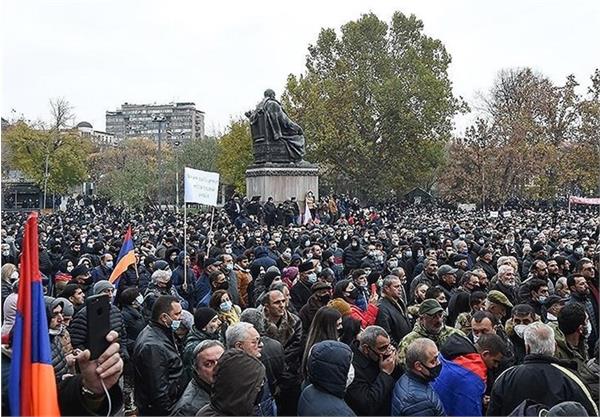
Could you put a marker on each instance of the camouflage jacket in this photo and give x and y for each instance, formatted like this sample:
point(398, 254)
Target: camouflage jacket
point(419, 331)
point(463, 322)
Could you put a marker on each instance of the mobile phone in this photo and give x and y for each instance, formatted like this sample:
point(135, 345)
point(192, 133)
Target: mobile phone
point(98, 324)
point(373, 288)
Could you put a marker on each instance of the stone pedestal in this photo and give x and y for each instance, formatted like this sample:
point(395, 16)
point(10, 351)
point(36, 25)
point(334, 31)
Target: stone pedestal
point(282, 181)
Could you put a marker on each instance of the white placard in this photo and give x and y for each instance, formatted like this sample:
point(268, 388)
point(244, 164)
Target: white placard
point(467, 207)
point(201, 187)
point(507, 214)
point(493, 214)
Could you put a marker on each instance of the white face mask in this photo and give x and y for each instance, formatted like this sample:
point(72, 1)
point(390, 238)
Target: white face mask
point(520, 330)
point(14, 276)
point(139, 299)
point(350, 376)
point(69, 268)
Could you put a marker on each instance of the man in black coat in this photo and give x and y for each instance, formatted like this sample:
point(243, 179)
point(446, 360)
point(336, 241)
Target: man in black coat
point(370, 394)
point(159, 376)
point(541, 378)
point(392, 315)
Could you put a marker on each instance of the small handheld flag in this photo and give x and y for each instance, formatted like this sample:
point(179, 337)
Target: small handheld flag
point(126, 257)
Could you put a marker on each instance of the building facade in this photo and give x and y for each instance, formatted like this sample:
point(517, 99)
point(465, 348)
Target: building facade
point(181, 121)
point(102, 139)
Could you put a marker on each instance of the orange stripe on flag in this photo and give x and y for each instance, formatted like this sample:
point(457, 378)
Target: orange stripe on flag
point(44, 391)
point(128, 259)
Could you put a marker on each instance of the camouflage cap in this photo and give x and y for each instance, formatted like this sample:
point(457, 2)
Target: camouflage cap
point(497, 297)
point(430, 307)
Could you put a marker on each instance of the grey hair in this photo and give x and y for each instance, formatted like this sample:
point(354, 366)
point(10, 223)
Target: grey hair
point(237, 333)
point(416, 351)
point(397, 271)
point(502, 269)
point(540, 339)
point(160, 274)
point(255, 317)
point(277, 286)
point(370, 334)
point(560, 283)
point(387, 281)
point(202, 346)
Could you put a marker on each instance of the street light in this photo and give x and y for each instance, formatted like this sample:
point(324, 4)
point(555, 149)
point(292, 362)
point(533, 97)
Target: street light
point(160, 119)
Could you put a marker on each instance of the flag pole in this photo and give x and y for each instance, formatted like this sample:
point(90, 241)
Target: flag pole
point(208, 246)
point(185, 268)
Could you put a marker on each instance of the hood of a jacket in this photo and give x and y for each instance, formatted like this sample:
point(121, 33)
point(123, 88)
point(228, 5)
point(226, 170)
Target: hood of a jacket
point(328, 366)
point(260, 252)
point(238, 381)
point(180, 258)
point(457, 345)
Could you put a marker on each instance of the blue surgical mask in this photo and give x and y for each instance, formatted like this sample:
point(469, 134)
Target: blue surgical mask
point(109, 264)
point(312, 278)
point(226, 306)
point(175, 325)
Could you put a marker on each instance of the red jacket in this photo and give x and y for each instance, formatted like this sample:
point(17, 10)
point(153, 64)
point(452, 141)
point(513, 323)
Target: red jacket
point(367, 318)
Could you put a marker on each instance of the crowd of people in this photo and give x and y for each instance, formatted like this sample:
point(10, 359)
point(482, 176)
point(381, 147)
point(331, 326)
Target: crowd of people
point(389, 310)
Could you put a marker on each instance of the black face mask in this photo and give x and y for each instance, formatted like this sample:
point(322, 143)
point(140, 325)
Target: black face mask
point(223, 286)
point(434, 371)
point(353, 295)
point(325, 298)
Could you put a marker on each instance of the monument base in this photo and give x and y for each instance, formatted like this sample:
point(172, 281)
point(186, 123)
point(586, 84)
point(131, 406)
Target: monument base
point(282, 181)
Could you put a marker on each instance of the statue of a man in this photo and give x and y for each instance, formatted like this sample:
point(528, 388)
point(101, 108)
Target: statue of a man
point(271, 124)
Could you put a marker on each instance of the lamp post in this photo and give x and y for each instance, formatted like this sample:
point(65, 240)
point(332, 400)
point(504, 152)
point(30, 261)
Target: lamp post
point(177, 143)
point(160, 120)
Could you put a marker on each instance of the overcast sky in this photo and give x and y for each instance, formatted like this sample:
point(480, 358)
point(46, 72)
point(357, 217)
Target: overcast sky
point(223, 54)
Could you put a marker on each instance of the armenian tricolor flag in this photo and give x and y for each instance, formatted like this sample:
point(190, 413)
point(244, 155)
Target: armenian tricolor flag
point(32, 390)
point(126, 257)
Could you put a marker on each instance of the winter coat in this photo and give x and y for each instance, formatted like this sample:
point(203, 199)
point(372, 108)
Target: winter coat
point(299, 294)
point(60, 346)
point(542, 379)
point(393, 318)
point(288, 332)
point(134, 324)
point(352, 257)
point(78, 329)
point(308, 311)
point(419, 331)
point(100, 273)
point(579, 356)
point(328, 367)
point(461, 383)
point(371, 391)
point(158, 370)
point(235, 399)
point(272, 357)
point(366, 318)
point(195, 396)
point(413, 396)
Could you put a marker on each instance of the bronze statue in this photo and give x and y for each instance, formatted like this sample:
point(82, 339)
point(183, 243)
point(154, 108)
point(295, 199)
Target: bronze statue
point(276, 137)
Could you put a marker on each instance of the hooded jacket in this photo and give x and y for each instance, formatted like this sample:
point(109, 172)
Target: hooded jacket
point(238, 381)
point(328, 366)
point(461, 384)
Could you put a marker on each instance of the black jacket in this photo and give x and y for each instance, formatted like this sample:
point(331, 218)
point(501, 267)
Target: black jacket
point(542, 379)
point(392, 317)
point(370, 394)
point(134, 324)
point(158, 370)
point(299, 294)
point(352, 257)
point(78, 330)
point(273, 358)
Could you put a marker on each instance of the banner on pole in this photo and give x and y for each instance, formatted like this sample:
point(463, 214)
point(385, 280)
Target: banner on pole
point(467, 207)
point(584, 200)
point(493, 214)
point(201, 187)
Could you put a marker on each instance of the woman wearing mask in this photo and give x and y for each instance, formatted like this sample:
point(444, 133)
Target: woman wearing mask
point(228, 313)
point(326, 325)
point(63, 276)
point(9, 275)
point(346, 290)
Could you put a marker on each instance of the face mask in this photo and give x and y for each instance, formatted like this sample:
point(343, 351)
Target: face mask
point(380, 282)
point(6, 252)
point(372, 253)
point(393, 264)
point(353, 294)
point(277, 240)
point(69, 268)
point(350, 376)
point(307, 243)
point(139, 299)
point(481, 241)
point(226, 306)
point(367, 271)
point(408, 254)
point(542, 299)
point(354, 244)
point(175, 325)
point(229, 267)
point(312, 278)
point(109, 264)
point(579, 251)
point(228, 251)
point(333, 246)
point(434, 371)
point(588, 329)
point(223, 286)
point(520, 330)
point(14, 276)
point(325, 298)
